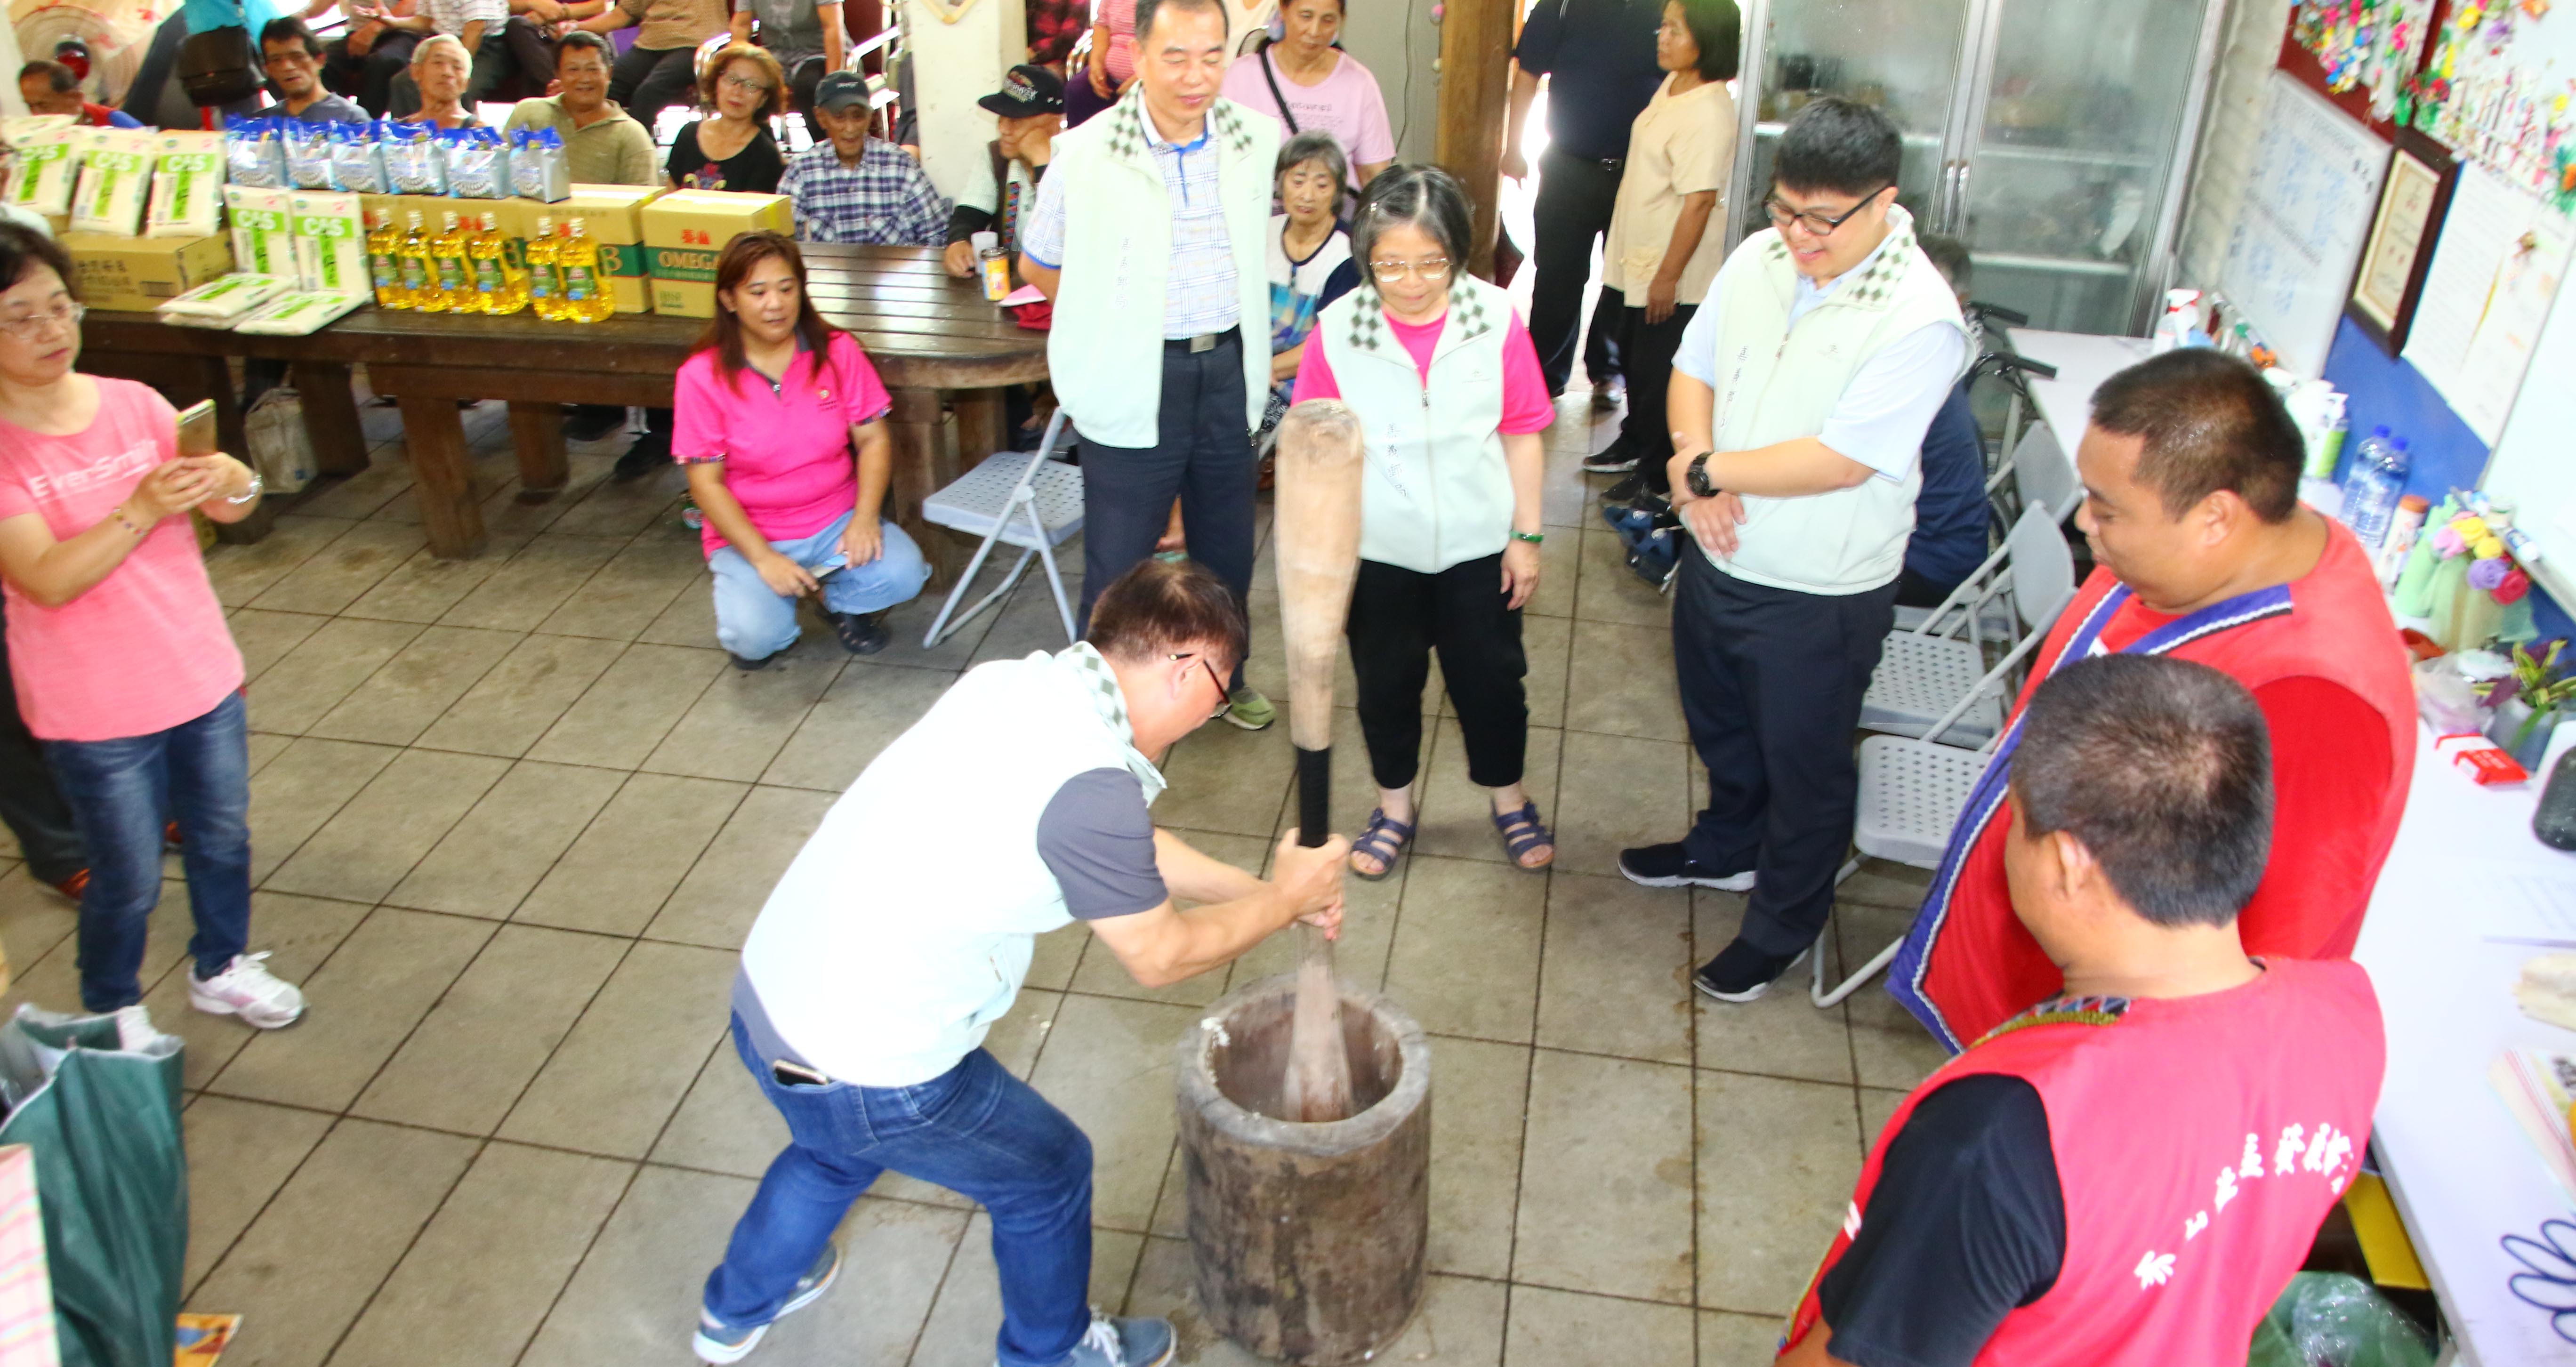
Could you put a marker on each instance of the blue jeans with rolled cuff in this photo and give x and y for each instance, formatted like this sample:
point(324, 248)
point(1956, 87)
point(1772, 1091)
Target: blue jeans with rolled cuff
point(975, 1130)
point(121, 793)
point(756, 621)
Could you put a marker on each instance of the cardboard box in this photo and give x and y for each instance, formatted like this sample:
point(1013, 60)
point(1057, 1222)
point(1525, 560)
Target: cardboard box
point(140, 273)
point(613, 217)
point(686, 231)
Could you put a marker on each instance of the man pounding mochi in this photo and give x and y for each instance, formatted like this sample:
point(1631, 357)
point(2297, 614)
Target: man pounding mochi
point(903, 930)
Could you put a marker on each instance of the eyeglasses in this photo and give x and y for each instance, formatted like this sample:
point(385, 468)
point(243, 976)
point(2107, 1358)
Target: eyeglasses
point(1816, 224)
point(1434, 268)
point(28, 327)
point(1224, 695)
point(746, 85)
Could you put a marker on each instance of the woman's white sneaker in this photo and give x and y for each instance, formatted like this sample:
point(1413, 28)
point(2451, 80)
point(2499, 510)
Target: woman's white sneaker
point(247, 989)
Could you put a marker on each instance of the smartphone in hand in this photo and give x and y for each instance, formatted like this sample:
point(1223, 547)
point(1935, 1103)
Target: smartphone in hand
point(197, 429)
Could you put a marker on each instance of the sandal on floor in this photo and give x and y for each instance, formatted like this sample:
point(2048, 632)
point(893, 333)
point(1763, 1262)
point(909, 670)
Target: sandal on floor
point(1523, 832)
point(1383, 841)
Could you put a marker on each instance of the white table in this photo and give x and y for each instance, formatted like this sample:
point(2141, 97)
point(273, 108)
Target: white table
point(2461, 1171)
point(2083, 362)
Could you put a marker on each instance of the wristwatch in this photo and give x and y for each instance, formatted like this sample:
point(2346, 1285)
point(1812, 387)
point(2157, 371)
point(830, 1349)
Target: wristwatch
point(1697, 476)
point(257, 483)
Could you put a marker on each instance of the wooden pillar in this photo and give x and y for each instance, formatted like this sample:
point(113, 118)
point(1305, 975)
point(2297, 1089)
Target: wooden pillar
point(331, 417)
point(442, 476)
point(1475, 97)
point(982, 423)
point(914, 426)
point(536, 432)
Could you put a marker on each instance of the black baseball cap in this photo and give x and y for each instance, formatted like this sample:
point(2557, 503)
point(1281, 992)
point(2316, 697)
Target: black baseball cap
point(840, 90)
point(1027, 91)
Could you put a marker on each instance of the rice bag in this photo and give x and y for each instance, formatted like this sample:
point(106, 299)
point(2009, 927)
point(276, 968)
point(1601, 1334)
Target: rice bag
point(187, 186)
point(330, 242)
point(263, 231)
point(221, 301)
point(478, 166)
point(46, 168)
point(308, 155)
point(537, 166)
point(254, 154)
point(414, 160)
point(115, 180)
point(297, 313)
point(357, 158)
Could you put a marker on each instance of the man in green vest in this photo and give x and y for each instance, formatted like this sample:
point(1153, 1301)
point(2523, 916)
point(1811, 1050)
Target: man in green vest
point(1799, 401)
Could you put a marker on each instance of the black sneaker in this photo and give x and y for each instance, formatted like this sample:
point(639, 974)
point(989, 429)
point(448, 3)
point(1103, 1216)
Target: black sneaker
point(861, 633)
point(1618, 458)
point(746, 666)
point(591, 421)
point(1626, 491)
point(1669, 866)
point(1741, 972)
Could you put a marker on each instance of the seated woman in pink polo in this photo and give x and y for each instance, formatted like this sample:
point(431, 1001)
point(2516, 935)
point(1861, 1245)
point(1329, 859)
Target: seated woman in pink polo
point(767, 415)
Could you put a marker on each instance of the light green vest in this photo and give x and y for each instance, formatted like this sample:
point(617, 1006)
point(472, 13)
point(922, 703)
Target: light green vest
point(1777, 383)
point(1105, 346)
point(1435, 491)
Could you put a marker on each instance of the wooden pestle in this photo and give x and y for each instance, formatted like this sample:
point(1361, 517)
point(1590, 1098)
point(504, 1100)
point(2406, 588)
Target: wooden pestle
point(1317, 523)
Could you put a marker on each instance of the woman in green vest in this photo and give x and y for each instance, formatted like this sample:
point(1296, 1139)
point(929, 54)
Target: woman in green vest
point(1451, 401)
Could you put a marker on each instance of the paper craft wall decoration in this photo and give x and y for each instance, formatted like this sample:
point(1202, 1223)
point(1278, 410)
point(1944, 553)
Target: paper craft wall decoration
point(2500, 90)
point(2371, 44)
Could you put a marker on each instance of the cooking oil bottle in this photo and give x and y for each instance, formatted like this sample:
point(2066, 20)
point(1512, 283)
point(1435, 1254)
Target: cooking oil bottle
point(419, 276)
point(585, 294)
point(545, 293)
point(449, 262)
point(497, 288)
point(384, 261)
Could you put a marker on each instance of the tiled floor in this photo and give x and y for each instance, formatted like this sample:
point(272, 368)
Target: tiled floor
point(513, 815)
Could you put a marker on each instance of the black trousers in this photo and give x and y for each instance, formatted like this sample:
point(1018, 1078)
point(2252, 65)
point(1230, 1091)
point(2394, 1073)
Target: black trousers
point(1575, 197)
point(648, 80)
point(369, 79)
point(1398, 617)
point(1202, 454)
point(1646, 352)
point(1915, 591)
point(1771, 683)
point(30, 805)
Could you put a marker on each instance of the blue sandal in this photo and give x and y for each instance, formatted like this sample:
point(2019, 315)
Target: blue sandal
point(1383, 841)
point(1523, 832)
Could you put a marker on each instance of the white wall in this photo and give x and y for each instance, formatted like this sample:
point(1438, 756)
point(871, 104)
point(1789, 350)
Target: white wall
point(2249, 47)
point(1376, 32)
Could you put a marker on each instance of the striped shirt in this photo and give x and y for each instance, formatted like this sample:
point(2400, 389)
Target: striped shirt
point(1200, 293)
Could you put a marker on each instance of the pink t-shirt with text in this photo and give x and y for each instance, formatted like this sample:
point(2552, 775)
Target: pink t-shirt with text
point(144, 649)
point(1346, 104)
point(1526, 407)
point(786, 449)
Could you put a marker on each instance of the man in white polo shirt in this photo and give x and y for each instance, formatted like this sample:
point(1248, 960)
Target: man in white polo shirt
point(1799, 401)
point(903, 930)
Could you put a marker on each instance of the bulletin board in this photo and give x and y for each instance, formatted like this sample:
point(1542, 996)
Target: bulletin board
point(2532, 464)
point(2308, 208)
point(2492, 285)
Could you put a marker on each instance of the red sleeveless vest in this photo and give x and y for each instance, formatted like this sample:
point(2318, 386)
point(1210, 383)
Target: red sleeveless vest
point(2199, 1143)
point(1978, 966)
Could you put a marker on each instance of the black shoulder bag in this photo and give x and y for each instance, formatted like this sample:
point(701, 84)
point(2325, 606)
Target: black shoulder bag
point(220, 66)
point(1272, 77)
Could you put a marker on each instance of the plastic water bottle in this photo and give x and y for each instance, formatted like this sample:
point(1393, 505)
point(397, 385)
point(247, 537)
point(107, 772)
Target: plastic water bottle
point(2371, 487)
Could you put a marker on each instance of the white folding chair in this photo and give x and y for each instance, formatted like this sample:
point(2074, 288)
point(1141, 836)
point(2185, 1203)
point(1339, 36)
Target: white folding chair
point(2041, 472)
point(1034, 504)
point(1911, 794)
point(1928, 673)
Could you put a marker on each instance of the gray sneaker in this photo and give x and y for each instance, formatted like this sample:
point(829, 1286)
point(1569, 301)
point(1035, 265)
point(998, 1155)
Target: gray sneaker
point(721, 1344)
point(1122, 1343)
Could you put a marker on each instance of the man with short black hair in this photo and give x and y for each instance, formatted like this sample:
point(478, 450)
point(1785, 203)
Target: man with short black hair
point(53, 88)
point(1152, 237)
point(292, 56)
point(603, 144)
point(1017, 805)
point(1799, 401)
point(2203, 551)
point(2127, 1175)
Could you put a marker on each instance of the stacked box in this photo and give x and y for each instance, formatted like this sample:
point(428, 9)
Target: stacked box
point(687, 230)
point(139, 273)
point(613, 217)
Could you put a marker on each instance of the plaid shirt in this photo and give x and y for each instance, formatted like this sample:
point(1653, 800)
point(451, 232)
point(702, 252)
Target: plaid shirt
point(1199, 293)
point(884, 201)
point(1054, 27)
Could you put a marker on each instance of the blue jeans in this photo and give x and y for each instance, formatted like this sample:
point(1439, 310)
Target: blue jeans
point(756, 621)
point(121, 793)
point(975, 1130)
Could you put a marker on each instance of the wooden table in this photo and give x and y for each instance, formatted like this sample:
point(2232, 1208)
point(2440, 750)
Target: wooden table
point(925, 331)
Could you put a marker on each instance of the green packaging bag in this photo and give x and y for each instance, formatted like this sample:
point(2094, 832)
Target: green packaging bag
point(112, 1177)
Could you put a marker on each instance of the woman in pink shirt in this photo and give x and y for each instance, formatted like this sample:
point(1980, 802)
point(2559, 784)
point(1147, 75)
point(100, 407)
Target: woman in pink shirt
point(1112, 62)
point(122, 661)
point(1306, 83)
point(767, 414)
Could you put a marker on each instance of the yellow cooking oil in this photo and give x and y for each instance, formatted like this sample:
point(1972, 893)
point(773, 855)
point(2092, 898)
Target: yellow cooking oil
point(585, 294)
point(419, 275)
point(449, 262)
point(384, 261)
point(498, 289)
point(545, 293)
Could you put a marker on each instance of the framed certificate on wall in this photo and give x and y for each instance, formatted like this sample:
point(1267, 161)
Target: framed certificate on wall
point(2390, 280)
